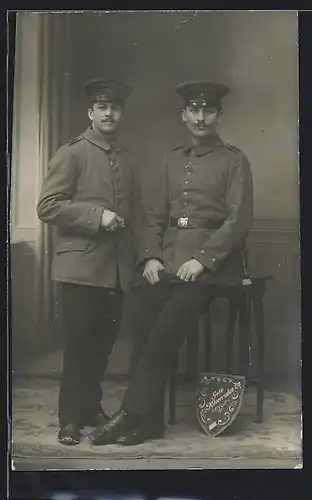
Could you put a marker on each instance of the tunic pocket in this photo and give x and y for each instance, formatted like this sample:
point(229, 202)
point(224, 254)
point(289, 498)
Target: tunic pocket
point(72, 244)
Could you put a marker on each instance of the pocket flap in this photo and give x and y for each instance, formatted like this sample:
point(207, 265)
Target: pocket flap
point(72, 244)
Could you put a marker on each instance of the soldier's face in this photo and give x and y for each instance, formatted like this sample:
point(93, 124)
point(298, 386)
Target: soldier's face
point(201, 120)
point(105, 117)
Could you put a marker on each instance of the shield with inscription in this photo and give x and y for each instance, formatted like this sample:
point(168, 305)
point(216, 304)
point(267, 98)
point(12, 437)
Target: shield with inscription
point(219, 400)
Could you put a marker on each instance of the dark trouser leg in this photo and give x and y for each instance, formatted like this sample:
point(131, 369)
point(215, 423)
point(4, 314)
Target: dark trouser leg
point(107, 305)
point(167, 336)
point(140, 311)
point(89, 338)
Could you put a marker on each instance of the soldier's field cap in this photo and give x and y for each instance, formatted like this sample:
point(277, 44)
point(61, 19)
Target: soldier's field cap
point(202, 92)
point(106, 90)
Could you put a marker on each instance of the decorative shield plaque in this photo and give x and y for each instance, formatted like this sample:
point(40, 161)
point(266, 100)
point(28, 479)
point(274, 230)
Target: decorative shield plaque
point(219, 399)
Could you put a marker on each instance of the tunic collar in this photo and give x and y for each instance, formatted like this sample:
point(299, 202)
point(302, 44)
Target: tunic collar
point(95, 137)
point(212, 142)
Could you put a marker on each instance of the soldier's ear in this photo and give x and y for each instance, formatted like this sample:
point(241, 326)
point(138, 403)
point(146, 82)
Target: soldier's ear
point(184, 115)
point(220, 115)
point(90, 113)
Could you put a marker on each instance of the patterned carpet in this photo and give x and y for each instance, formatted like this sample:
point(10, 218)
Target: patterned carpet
point(279, 436)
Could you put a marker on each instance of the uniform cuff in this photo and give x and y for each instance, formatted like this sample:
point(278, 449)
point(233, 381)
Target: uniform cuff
point(149, 253)
point(207, 260)
point(94, 218)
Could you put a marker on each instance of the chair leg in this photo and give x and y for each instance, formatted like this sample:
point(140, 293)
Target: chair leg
point(244, 332)
point(172, 394)
point(207, 340)
point(260, 358)
point(230, 334)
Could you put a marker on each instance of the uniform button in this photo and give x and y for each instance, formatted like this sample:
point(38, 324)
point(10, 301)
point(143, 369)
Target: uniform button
point(185, 193)
point(185, 203)
point(202, 252)
point(186, 182)
point(189, 173)
point(112, 163)
point(213, 260)
point(93, 208)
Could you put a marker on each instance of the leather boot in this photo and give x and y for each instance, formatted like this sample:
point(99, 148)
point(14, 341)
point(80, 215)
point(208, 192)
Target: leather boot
point(97, 420)
point(140, 434)
point(152, 426)
point(118, 425)
point(69, 434)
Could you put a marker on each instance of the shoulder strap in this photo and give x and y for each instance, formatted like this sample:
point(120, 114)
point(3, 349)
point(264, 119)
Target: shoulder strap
point(76, 139)
point(232, 148)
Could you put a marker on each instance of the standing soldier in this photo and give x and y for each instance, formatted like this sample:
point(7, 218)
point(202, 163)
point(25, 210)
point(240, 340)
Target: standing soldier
point(194, 236)
point(90, 195)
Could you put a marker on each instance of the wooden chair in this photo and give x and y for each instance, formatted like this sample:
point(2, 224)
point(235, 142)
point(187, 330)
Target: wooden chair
point(243, 300)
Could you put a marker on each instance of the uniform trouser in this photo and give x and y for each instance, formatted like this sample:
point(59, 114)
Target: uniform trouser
point(173, 306)
point(139, 315)
point(90, 320)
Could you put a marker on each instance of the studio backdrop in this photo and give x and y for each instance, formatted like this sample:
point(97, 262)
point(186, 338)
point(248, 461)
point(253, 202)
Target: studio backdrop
point(255, 53)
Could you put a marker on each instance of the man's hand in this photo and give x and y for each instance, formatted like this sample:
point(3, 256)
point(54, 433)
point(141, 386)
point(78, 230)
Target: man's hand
point(151, 270)
point(110, 220)
point(190, 270)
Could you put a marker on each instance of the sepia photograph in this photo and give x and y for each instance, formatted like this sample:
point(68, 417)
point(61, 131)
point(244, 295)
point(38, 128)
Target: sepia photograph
point(155, 286)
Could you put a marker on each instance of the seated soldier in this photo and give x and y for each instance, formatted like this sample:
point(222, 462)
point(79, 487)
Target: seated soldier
point(193, 240)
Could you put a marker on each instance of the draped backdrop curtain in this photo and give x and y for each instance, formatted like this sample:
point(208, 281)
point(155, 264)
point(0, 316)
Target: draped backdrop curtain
point(54, 111)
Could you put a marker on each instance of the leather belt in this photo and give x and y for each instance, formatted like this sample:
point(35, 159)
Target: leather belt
point(190, 223)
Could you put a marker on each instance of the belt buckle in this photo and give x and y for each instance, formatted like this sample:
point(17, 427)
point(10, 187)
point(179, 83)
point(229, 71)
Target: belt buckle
point(183, 222)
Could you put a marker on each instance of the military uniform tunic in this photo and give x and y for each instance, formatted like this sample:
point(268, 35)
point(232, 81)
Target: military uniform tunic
point(84, 178)
point(212, 186)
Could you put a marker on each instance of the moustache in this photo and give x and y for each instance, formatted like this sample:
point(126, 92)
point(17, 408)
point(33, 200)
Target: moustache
point(107, 121)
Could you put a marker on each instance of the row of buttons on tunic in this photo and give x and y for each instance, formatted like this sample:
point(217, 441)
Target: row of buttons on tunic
point(116, 175)
point(189, 167)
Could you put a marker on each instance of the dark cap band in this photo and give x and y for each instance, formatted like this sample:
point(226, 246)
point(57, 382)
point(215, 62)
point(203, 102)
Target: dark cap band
point(200, 92)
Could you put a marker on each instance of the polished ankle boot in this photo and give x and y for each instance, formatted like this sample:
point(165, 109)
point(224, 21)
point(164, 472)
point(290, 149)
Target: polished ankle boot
point(97, 420)
point(151, 426)
point(69, 434)
point(119, 424)
point(141, 434)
